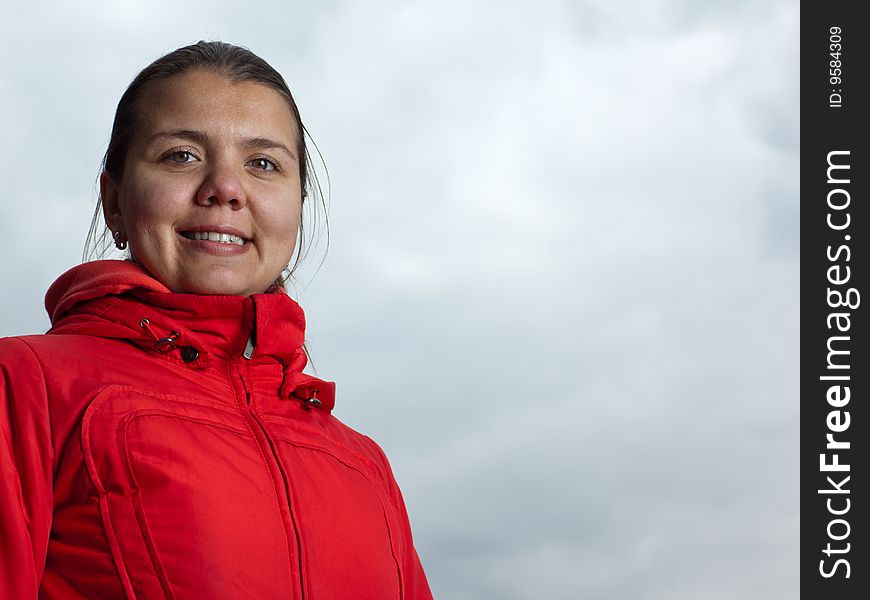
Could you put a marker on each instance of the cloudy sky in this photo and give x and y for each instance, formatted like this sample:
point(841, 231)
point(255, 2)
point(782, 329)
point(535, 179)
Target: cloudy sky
point(562, 280)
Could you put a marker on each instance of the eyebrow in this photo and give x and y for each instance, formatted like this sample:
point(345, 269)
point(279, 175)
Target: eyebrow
point(257, 143)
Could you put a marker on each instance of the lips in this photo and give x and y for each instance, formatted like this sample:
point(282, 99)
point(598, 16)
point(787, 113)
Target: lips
point(215, 233)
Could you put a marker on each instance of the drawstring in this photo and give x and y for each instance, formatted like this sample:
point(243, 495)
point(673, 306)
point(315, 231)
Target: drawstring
point(162, 344)
point(165, 345)
point(312, 400)
point(293, 373)
point(313, 392)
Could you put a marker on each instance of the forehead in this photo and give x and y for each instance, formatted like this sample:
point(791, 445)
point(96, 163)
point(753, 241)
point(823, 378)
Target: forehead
point(213, 103)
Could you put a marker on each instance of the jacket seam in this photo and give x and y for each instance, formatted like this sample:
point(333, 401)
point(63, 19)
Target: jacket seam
point(389, 477)
point(47, 408)
point(329, 442)
point(206, 403)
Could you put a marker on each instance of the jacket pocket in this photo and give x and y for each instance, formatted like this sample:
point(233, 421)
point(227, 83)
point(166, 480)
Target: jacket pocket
point(188, 504)
point(348, 527)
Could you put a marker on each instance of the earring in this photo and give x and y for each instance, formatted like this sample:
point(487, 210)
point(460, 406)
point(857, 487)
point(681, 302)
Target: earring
point(120, 241)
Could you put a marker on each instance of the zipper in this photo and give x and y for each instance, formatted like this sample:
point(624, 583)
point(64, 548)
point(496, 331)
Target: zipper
point(255, 422)
point(249, 346)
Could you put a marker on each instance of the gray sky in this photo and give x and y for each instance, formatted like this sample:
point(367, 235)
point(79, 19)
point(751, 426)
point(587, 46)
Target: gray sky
point(562, 281)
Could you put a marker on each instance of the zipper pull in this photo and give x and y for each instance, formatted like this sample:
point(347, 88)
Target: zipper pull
point(249, 347)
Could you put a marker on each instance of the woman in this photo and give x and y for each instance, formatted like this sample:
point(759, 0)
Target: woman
point(161, 440)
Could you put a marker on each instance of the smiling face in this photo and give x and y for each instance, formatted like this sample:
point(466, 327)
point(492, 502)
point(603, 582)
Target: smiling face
point(210, 198)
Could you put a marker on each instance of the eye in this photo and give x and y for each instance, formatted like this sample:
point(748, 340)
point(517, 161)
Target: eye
point(264, 164)
point(180, 157)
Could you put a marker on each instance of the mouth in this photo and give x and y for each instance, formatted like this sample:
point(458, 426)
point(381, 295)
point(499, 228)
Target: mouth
point(215, 236)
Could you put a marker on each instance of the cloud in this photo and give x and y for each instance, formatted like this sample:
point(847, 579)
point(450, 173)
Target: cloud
point(562, 283)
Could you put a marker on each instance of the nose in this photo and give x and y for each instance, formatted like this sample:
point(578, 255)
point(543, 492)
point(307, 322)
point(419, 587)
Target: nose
point(222, 185)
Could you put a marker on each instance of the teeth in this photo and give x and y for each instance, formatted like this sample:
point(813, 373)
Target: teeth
point(213, 236)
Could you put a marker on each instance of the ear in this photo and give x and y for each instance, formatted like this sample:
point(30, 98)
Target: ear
point(109, 193)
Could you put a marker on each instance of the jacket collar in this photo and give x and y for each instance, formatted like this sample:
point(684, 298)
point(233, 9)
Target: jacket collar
point(119, 299)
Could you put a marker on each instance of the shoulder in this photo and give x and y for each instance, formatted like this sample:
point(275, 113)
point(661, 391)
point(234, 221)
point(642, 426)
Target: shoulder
point(12, 348)
point(28, 356)
point(57, 370)
point(23, 390)
point(17, 354)
point(52, 352)
point(28, 364)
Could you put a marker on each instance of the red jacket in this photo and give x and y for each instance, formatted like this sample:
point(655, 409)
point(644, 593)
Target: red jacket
point(162, 445)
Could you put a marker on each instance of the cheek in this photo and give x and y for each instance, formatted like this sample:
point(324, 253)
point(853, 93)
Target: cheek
point(148, 203)
point(283, 223)
point(285, 241)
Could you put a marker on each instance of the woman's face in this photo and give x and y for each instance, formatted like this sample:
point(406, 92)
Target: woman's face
point(210, 197)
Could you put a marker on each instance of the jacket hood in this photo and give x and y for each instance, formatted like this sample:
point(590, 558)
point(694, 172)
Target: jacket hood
point(119, 299)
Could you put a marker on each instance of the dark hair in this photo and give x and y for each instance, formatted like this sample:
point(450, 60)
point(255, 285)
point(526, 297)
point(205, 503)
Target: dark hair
point(237, 64)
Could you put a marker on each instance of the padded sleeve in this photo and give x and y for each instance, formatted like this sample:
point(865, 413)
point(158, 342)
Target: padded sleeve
point(26, 466)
